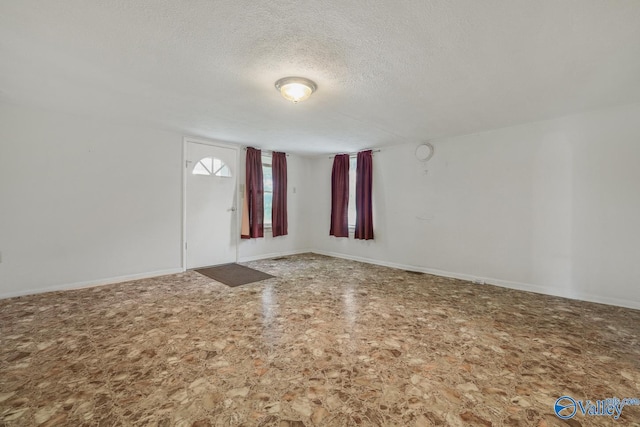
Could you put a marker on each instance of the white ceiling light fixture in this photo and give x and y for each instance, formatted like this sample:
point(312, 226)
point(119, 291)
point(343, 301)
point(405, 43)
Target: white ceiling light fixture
point(296, 89)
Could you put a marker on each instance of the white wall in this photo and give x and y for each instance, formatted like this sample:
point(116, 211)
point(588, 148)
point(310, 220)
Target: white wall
point(298, 207)
point(552, 207)
point(84, 202)
point(606, 204)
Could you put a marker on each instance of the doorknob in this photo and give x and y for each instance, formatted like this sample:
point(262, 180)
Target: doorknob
point(231, 209)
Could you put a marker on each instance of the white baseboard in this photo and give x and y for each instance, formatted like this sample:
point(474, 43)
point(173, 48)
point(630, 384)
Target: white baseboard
point(491, 281)
point(273, 255)
point(91, 283)
point(488, 280)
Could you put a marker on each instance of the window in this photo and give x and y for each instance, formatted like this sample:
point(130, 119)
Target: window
point(267, 182)
point(212, 166)
point(353, 162)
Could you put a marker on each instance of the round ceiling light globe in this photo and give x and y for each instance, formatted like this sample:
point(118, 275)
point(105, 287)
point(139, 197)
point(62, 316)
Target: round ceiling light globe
point(295, 89)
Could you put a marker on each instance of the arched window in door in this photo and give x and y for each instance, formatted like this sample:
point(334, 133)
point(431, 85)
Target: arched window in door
point(212, 166)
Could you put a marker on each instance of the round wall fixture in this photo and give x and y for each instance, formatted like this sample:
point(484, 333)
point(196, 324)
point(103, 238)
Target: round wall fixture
point(424, 152)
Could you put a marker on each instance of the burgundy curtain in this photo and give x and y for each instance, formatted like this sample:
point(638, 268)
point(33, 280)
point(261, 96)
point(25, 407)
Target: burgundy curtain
point(279, 207)
point(254, 194)
point(340, 196)
point(364, 210)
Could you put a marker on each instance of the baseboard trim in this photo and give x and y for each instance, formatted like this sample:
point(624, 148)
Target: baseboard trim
point(527, 287)
point(92, 283)
point(273, 255)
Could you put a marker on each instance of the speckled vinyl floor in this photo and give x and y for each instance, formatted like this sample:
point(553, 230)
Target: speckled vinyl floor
point(327, 342)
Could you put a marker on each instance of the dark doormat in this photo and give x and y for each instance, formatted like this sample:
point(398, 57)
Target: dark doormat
point(233, 274)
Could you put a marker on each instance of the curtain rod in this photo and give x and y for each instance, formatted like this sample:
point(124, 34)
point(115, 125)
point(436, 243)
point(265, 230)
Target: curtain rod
point(353, 154)
point(265, 151)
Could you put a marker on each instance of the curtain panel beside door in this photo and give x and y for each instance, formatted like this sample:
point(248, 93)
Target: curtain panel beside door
point(254, 202)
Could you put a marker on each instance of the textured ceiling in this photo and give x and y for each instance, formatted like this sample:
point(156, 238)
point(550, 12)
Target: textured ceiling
point(387, 72)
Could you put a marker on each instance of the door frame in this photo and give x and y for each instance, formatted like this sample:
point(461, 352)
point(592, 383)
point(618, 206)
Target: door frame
point(236, 226)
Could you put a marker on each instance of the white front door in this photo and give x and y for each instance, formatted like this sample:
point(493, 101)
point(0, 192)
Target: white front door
point(210, 217)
